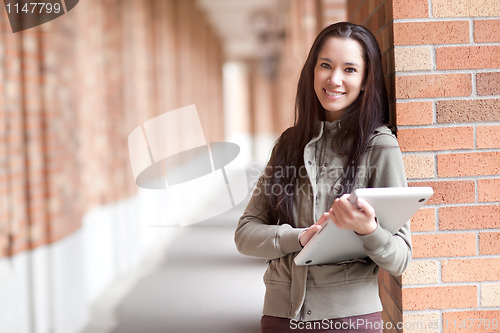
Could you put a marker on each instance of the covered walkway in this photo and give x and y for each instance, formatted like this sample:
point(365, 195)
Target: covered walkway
point(200, 283)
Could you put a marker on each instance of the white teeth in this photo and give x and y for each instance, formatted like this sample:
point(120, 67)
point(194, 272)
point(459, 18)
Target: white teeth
point(333, 93)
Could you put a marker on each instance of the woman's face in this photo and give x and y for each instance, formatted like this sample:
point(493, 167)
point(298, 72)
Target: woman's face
point(338, 75)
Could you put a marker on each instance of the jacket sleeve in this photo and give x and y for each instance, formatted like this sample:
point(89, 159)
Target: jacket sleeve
point(255, 236)
point(390, 252)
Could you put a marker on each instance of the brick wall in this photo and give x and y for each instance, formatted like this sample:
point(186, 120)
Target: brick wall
point(71, 91)
point(446, 64)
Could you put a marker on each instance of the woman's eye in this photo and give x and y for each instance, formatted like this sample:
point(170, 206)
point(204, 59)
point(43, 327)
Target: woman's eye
point(325, 65)
point(351, 70)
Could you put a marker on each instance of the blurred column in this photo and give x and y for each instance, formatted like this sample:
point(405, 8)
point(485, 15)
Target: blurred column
point(333, 11)
point(237, 118)
point(302, 24)
point(264, 108)
point(198, 67)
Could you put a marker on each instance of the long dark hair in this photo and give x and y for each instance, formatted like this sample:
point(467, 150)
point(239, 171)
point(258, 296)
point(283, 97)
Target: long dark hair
point(369, 111)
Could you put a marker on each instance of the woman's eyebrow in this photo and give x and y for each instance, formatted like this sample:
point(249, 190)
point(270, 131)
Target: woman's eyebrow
point(352, 64)
point(346, 63)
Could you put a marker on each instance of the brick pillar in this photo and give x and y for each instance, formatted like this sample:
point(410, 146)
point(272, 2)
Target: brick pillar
point(446, 88)
point(449, 115)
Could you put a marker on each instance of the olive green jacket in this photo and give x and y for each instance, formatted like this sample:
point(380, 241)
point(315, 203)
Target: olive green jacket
point(330, 291)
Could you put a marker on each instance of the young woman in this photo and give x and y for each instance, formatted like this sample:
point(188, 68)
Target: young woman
point(338, 143)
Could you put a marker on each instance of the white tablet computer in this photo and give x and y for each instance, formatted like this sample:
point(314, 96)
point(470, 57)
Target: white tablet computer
point(394, 206)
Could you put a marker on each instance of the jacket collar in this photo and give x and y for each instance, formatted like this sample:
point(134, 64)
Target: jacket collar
point(325, 125)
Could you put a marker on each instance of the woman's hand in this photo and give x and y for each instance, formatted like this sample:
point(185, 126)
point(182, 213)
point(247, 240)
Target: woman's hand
point(347, 216)
point(306, 235)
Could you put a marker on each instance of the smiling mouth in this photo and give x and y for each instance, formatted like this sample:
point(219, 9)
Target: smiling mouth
point(333, 93)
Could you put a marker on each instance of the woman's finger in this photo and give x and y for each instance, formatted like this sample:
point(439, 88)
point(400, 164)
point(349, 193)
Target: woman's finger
point(366, 208)
point(342, 209)
point(307, 234)
point(323, 219)
point(346, 206)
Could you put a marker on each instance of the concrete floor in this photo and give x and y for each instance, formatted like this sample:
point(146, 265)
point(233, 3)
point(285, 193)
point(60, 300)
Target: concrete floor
point(201, 284)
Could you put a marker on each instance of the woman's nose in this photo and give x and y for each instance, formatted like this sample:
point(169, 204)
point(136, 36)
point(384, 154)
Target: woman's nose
point(336, 78)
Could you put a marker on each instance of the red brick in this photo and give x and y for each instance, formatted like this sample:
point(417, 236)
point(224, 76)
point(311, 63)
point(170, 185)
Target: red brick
point(447, 192)
point(391, 308)
point(468, 164)
point(421, 272)
point(490, 294)
point(488, 83)
point(385, 42)
point(433, 85)
point(489, 243)
point(393, 286)
point(468, 57)
point(392, 289)
point(385, 13)
point(363, 11)
point(419, 166)
point(488, 136)
point(444, 245)
point(469, 217)
point(424, 220)
point(468, 110)
point(422, 33)
point(444, 297)
point(487, 31)
point(487, 190)
point(484, 321)
point(389, 11)
point(418, 58)
point(414, 113)
point(391, 328)
point(373, 4)
point(427, 322)
point(430, 139)
point(383, 278)
point(373, 23)
point(410, 9)
point(353, 5)
point(470, 270)
point(458, 8)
